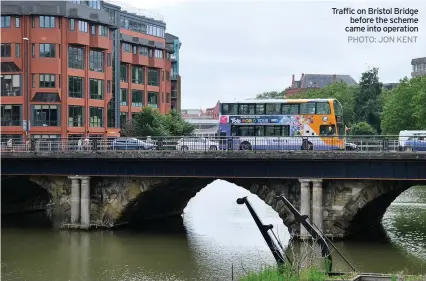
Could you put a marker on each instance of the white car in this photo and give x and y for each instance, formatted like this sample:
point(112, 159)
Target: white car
point(193, 143)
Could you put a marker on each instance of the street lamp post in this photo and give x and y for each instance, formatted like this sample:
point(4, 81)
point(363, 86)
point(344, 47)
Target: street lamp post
point(27, 74)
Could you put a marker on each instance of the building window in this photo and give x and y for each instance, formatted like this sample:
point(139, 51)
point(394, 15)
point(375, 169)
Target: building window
point(137, 98)
point(155, 30)
point(96, 61)
point(127, 47)
point(124, 75)
point(33, 21)
point(96, 89)
point(47, 50)
point(109, 86)
point(93, 29)
point(96, 116)
point(162, 97)
point(76, 57)
point(5, 21)
point(137, 74)
point(72, 24)
point(153, 99)
point(6, 50)
point(18, 50)
point(75, 116)
point(167, 97)
point(153, 77)
point(33, 50)
point(46, 115)
point(75, 86)
point(17, 22)
point(11, 114)
point(123, 97)
point(103, 30)
point(143, 51)
point(159, 54)
point(108, 59)
point(167, 56)
point(83, 26)
point(47, 21)
point(133, 25)
point(135, 50)
point(150, 53)
point(167, 76)
point(47, 80)
point(123, 118)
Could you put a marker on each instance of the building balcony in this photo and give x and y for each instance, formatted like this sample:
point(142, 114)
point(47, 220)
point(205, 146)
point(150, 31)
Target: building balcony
point(101, 42)
point(174, 94)
point(140, 60)
point(79, 38)
point(126, 57)
point(173, 57)
point(174, 76)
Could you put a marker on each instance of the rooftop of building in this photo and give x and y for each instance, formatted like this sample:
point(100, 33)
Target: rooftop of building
point(322, 80)
point(132, 11)
point(418, 60)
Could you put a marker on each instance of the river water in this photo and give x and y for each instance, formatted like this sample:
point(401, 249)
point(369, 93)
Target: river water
point(216, 234)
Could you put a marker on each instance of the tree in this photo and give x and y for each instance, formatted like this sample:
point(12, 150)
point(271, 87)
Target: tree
point(405, 109)
point(362, 128)
point(367, 105)
point(176, 126)
point(150, 122)
point(271, 95)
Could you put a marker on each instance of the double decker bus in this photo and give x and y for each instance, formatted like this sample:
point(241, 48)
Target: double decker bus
point(282, 124)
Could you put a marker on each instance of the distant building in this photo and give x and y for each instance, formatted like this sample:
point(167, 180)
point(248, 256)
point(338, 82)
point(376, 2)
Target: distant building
point(390, 86)
point(419, 67)
point(312, 81)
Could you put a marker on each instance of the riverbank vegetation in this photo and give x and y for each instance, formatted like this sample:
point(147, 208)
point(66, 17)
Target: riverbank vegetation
point(370, 109)
point(287, 273)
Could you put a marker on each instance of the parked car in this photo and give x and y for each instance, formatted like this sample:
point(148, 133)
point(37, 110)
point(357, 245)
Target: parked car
point(415, 144)
point(194, 143)
point(131, 144)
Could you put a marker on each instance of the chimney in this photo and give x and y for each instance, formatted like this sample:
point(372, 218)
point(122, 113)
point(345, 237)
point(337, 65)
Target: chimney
point(292, 81)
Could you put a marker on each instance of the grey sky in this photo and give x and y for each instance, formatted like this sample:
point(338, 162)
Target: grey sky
point(236, 49)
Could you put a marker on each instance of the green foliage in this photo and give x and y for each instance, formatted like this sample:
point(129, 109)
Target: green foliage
point(367, 103)
point(271, 95)
point(150, 122)
point(362, 128)
point(288, 273)
point(405, 108)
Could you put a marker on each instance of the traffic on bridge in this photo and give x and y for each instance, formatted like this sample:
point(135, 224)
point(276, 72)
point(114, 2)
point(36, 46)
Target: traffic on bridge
point(222, 144)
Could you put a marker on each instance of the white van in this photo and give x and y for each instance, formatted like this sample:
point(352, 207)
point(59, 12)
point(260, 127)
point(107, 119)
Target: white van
point(404, 135)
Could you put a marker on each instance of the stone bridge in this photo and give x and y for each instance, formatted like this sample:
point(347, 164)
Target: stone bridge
point(338, 207)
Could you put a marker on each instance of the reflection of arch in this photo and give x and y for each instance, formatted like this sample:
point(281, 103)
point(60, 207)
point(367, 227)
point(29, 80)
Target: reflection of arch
point(170, 198)
point(366, 208)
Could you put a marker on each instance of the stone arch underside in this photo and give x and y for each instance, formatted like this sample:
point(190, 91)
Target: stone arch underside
point(20, 193)
point(139, 200)
point(366, 207)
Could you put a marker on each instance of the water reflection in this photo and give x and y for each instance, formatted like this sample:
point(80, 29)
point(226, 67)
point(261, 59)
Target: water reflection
point(214, 233)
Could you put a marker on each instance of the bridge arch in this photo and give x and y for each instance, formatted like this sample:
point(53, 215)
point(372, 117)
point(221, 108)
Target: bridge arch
point(141, 200)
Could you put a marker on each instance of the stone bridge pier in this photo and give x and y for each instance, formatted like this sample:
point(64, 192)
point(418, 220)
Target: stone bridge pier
point(336, 207)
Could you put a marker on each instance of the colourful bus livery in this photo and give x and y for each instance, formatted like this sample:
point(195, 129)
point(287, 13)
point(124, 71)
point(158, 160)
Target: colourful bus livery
point(278, 124)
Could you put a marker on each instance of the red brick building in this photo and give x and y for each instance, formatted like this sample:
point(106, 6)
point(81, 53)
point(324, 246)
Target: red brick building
point(73, 69)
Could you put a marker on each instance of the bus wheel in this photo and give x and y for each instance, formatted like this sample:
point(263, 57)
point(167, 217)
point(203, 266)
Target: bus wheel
point(409, 149)
point(310, 146)
point(245, 146)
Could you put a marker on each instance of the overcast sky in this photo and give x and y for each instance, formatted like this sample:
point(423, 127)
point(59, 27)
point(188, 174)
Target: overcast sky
point(236, 49)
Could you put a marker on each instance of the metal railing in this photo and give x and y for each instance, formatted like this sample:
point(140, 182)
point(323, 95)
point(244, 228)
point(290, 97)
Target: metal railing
point(220, 144)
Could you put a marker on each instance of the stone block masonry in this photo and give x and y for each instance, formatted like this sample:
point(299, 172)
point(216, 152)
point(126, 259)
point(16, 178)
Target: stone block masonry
point(337, 207)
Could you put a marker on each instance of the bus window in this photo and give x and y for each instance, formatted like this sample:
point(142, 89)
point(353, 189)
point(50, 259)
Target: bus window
point(273, 108)
point(285, 130)
point(307, 108)
point(323, 108)
point(285, 109)
point(260, 109)
point(260, 131)
point(327, 130)
point(337, 108)
point(229, 109)
point(246, 109)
